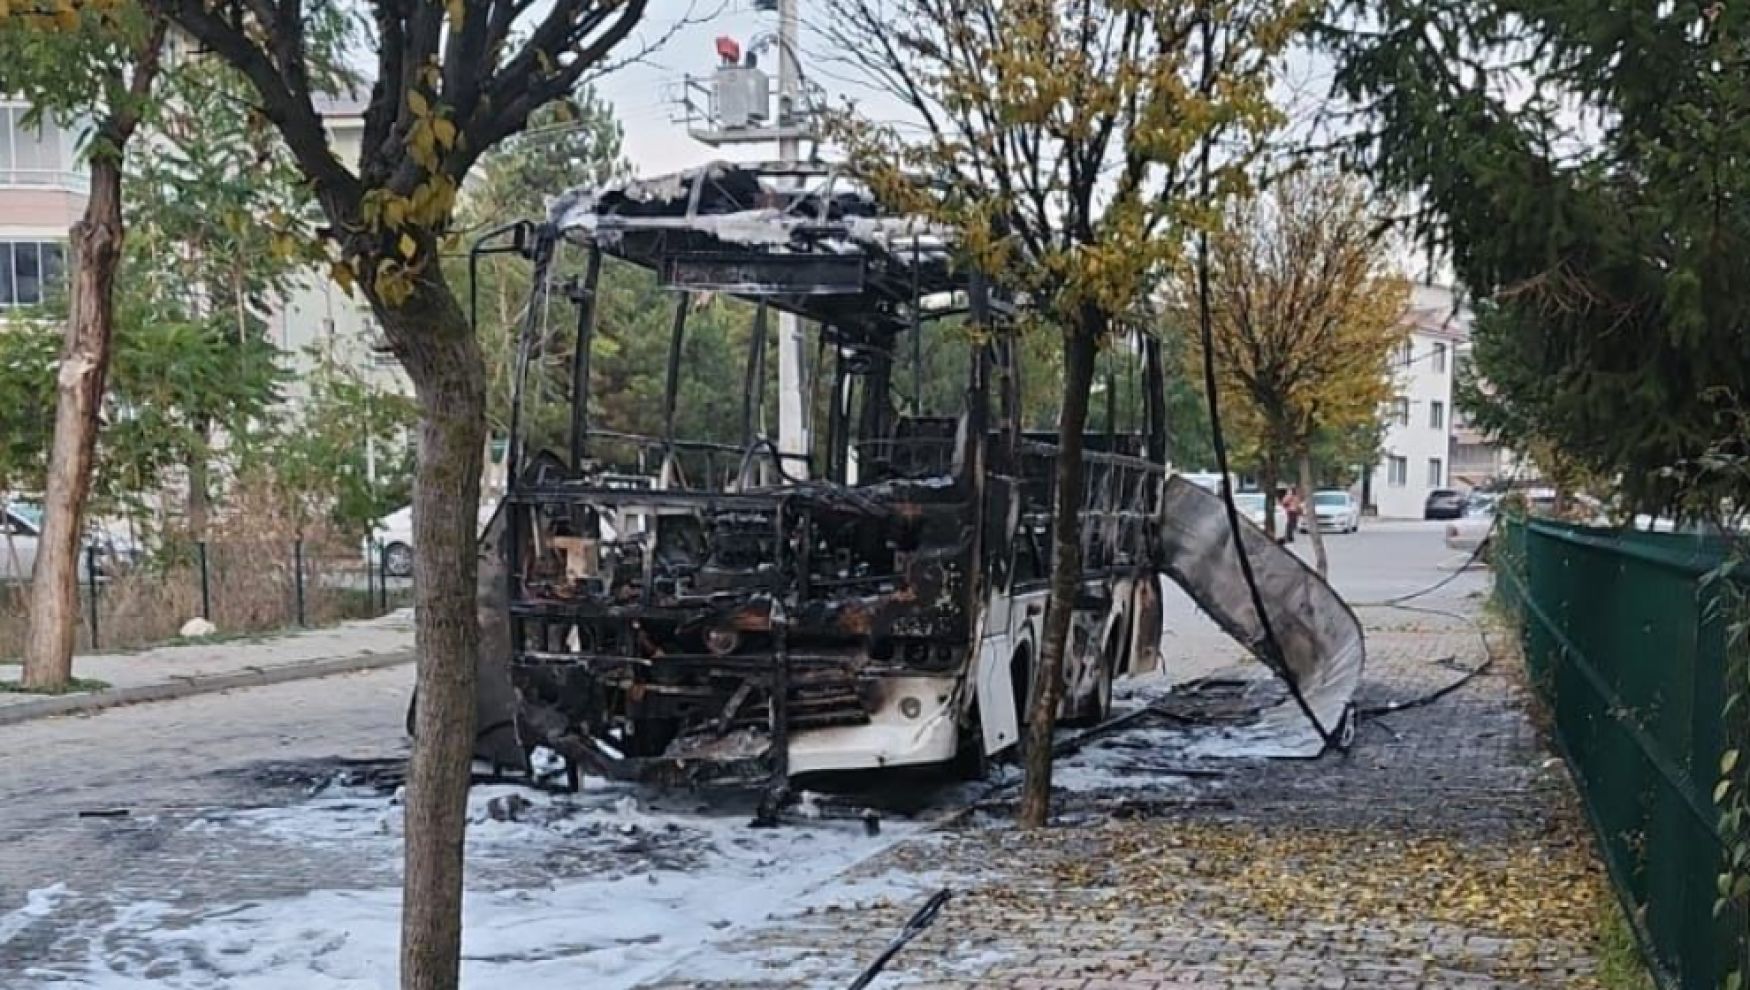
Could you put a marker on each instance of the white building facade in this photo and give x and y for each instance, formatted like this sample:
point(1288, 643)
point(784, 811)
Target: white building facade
point(317, 319)
point(43, 189)
point(1417, 447)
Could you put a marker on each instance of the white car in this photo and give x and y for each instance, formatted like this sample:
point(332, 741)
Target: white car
point(1470, 531)
point(1251, 505)
point(20, 530)
point(393, 538)
point(1335, 511)
point(106, 546)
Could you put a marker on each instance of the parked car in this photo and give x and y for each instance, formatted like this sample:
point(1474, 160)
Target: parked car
point(1471, 531)
point(20, 529)
point(1335, 510)
point(393, 534)
point(1251, 505)
point(1443, 503)
point(106, 547)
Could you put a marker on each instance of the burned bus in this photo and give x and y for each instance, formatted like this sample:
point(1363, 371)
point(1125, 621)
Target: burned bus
point(681, 610)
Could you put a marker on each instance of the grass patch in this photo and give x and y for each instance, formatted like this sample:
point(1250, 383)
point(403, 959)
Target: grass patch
point(76, 685)
point(1619, 956)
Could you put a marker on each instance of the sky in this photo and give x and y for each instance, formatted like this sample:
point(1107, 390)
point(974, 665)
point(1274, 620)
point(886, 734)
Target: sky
point(643, 92)
point(682, 37)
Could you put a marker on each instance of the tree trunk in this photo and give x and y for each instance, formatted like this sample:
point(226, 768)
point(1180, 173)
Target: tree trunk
point(54, 590)
point(1309, 512)
point(1066, 572)
point(443, 359)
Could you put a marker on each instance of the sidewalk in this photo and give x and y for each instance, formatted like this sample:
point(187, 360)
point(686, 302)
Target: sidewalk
point(167, 672)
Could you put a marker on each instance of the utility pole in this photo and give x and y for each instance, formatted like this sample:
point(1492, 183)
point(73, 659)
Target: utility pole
point(793, 438)
point(739, 111)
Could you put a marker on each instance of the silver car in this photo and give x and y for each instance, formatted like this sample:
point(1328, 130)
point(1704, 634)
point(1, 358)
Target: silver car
point(1251, 505)
point(20, 530)
point(106, 547)
point(1470, 531)
point(1335, 511)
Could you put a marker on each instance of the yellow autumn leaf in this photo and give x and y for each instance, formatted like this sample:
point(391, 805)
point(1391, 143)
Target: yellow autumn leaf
point(392, 283)
point(395, 211)
point(423, 146)
point(1729, 761)
point(417, 102)
point(407, 246)
point(341, 272)
point(419, 201)
point(456, 9)
point(444, 132)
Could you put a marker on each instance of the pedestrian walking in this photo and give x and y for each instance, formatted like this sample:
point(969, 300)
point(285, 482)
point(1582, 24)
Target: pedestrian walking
point(1291, 508)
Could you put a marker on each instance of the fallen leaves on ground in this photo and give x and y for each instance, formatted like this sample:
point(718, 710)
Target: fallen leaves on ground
point(1523, 909)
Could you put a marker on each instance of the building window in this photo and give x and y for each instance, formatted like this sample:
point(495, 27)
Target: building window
point(1400, 411)
point(1397, 471)
point(1440, 359)
point(30, 156)
point(30, 271)
point(1436, 477)
point(1437, 415)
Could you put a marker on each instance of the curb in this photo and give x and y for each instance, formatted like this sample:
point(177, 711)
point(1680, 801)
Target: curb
point(183, 686)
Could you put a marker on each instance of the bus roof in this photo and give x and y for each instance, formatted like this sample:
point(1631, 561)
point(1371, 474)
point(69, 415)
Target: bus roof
point(823, 249)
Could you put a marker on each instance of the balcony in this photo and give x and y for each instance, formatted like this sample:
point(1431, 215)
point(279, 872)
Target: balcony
point(65, 180)
point(39, 156)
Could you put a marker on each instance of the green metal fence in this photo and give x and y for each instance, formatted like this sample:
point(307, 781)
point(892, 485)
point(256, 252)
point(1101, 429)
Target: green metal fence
point(1625, 640)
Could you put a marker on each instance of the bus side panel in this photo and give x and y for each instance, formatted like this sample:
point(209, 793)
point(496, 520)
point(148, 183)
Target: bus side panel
point(996, 694)
point(1147, 626)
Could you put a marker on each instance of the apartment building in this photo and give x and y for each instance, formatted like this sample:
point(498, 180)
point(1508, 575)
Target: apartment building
point(1416, 453)
point(1478, 459)
point(318, 320)
point(43, 188)
point(42, 193)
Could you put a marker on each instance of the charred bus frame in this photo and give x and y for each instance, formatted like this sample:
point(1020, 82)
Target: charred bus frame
point(745, 615)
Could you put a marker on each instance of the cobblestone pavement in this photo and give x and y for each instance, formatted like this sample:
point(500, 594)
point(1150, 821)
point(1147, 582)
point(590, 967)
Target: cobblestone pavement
point(1441, 852)
point(104, 803)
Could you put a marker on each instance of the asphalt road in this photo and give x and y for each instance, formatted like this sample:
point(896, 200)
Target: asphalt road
point(97, 802)
point(1387, 559)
